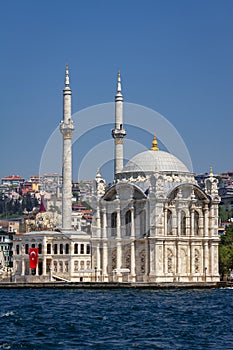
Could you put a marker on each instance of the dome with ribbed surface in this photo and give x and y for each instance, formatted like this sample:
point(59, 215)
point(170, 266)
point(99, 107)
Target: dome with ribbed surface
point(151, 161)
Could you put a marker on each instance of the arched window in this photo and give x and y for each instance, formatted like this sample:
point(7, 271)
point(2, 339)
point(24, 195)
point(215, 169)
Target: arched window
point(113, 223)
point(61, 248)
point(82, 249)
point(67, 248)
point(196, 223)
point(169, 222)
point(76, 248)
point(128, 223)
point(88, 249)
point(183, 223)
point(17, 249)
point(26, 248)
point(143, 223)
point(39, 248)
point(113, 220)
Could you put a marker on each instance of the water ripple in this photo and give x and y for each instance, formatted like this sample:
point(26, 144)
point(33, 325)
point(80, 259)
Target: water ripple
point(116, 319)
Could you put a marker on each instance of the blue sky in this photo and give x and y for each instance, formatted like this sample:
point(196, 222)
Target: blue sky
point(175, 57)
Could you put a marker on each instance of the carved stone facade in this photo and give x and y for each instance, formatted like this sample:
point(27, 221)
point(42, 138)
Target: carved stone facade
point(161, 229)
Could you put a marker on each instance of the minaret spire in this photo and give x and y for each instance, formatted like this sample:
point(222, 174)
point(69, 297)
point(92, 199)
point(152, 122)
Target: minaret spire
point(66, 128)
point(118, 133)
point(119, 82)
point(67, 79)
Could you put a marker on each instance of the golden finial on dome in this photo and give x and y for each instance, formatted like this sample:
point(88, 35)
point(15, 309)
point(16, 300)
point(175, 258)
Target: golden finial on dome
point(211, 170)
point(154, 144)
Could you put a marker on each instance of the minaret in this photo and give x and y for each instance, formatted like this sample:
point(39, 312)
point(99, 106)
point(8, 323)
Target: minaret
point(118, 133)
point(66, 128)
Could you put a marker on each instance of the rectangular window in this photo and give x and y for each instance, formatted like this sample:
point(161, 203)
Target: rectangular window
point(48, 248)
point(55, 249)
point(17, 249)
point(26, 248)
point(82, 249)
point(88, 250)
point(76, 248)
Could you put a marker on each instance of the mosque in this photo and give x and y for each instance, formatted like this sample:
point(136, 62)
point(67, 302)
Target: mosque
point(153, 224)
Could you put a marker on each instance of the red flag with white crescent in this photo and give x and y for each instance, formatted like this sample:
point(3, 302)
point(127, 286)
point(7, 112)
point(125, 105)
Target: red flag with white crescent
point(33, 256)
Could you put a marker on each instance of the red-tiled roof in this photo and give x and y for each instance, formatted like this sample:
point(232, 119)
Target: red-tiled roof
point(13, 177)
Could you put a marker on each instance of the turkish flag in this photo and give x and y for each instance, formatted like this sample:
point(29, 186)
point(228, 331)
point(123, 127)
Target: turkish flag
point(33, 256)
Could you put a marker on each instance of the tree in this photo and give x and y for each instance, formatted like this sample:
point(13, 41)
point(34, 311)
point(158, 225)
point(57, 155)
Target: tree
point(226, 252)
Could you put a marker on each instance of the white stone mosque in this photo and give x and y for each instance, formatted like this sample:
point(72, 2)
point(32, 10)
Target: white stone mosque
point(153, 224)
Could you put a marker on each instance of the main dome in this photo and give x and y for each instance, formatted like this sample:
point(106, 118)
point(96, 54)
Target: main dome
point(151, 161)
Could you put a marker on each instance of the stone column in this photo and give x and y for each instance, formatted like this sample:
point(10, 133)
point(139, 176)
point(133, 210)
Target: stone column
point(71, 261)
point(132, 227)
point(191, 259)
point(165, 222)
point(212, 221)
point(105, 262)
point(44, 266)
point(206, 259)
point(98, 259)
point(178, 260)
point(179, 223)
point(104, 230)
point(23, 268)
point(174, 223)
point(206, 221)
point(133, 272)
point(188, 229)
point(118, 211)
point(192, 222)
point(98, 223)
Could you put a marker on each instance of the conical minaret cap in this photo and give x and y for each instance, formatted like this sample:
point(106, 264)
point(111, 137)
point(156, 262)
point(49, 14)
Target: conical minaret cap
point(119, 81)
point(67, 78)
point(118, 96)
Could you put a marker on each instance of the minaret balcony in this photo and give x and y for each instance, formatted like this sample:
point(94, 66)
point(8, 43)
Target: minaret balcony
point(118, 133)
point(67, 128)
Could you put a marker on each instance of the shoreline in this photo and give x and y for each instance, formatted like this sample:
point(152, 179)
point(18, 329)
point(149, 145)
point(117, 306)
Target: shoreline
point(114, 285)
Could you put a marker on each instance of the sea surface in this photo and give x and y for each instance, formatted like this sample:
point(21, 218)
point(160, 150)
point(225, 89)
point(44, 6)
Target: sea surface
point(116, 319)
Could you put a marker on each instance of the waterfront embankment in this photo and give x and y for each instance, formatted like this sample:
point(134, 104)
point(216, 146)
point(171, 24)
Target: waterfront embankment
point(113, 285)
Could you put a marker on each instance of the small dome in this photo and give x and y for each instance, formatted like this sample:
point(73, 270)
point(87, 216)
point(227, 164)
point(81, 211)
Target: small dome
point(151, 161)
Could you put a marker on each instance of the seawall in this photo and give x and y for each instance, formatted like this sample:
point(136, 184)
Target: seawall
point(113, 285)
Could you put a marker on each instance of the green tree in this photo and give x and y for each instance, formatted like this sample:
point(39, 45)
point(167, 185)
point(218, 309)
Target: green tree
point(226, 252)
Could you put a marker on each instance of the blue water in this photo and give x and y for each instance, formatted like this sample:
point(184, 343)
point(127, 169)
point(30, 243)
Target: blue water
point(116, 319)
